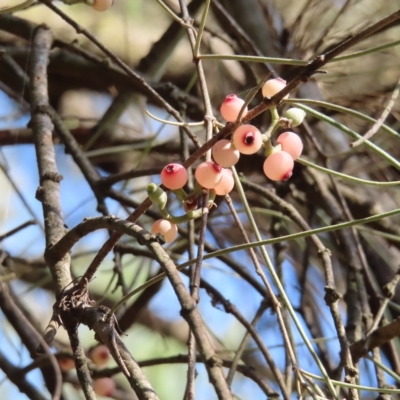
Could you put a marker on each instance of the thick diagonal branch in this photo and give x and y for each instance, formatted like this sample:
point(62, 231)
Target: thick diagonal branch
point(48, 193)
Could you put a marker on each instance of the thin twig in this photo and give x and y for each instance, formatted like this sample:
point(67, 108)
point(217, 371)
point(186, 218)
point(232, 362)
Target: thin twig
point(14, 375)
point(81, 366)
point(381, 120)
point(230, 308)
point(17, 229)
point(331, 294)
point(243, 344)
point(95, 318)
point(189, 309)
point(30, 337)
point(247, 371)
point(132, 74)
point(388, 291)
point(256, 264)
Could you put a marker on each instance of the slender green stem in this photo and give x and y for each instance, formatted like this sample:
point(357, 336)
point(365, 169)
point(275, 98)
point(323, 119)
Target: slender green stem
point(285, 299)
point(165, 214)
point(174, 123)
point(180, 194)
point(250, 96)
point(197, 191)
point(170, 12)
point(294, 236)
point(365, 52)
point(289, 61)
point(266, 136)
point(345, 176)
point(201, 29)
point(271, 60)
point(274, 124)
point(350, 386)
point(344, 110)
point(389, 236)
point(185, 217)
point(261, 210)
point(384, 368)
point(260, 272)
point(391, 160)
point(313, 387)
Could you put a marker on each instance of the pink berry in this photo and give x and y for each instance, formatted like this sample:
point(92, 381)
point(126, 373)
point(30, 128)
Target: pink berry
point(272, 87)
point(231, 107)
point(104, 386)
point(66, 364)
point(247, 139)
point(225, 154)
point(100, 355)
point(291, 143)
point(226, 183)
point(174, 176)
point(102, 5)
point(278, 166)
point(208, 174)
point(168, 229)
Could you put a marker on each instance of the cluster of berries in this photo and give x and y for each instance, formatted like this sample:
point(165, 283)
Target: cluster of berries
point(100, 355)
point(246, 139)
point(209, 175)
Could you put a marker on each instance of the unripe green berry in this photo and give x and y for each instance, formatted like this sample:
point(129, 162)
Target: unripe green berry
point(296, 115)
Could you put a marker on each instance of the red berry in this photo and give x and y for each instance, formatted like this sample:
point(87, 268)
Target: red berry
point(225, 154)
point(66, 364)
point(226, 184)
point(100, 355)
point(291, 143)
point(278, 166)
point(174, 176)
point(247, 139)
point(208, 174)
point(104, 386)
point(168, 229)
point(272, 87)
point(231, 107)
